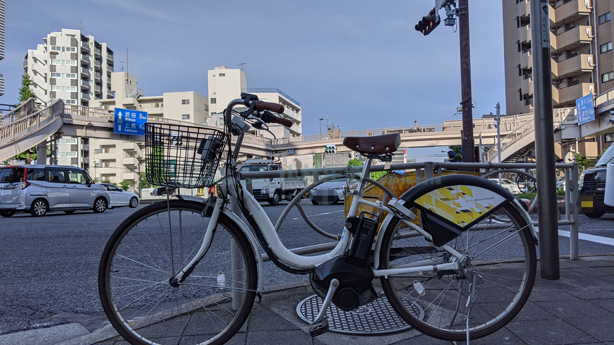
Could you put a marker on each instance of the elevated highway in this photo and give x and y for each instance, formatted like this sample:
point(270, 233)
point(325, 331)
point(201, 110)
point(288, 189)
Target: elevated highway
point(26, 127)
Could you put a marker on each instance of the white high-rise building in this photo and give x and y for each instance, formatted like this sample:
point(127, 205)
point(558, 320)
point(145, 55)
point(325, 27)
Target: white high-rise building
point(70, 66)
point(76, 69)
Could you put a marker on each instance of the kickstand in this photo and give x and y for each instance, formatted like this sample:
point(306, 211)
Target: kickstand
point(320, 324)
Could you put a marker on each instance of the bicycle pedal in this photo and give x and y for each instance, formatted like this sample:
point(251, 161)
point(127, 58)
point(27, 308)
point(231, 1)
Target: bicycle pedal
point(318, 328)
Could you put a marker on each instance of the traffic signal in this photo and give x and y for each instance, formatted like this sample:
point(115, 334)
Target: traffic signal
point(428, 24)
point(330, 148)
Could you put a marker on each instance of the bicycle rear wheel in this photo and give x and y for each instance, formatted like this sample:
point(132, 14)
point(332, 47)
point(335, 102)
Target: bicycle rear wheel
point(149, 248)
point(501, 250)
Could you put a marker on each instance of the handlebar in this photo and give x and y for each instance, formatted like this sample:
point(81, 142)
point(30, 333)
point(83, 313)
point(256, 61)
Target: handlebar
point(274, 107)
point(267, 117)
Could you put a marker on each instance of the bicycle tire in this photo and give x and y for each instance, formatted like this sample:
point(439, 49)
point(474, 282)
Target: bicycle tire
point(135, 269)
point(443, 298)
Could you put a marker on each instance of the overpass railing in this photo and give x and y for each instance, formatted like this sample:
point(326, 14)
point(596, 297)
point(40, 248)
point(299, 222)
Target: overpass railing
point(22, 127)
point(522, 130)
point(21, 111)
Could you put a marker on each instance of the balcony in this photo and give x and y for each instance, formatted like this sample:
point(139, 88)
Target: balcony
point(97, 89)
point(526, 60)
point(97, 53)
point(569, 12)
point(569, 94)
point(527, 86)
point(130, 175)
point(524, 9)
point(97, 77)
point(130, 161)
point(132, 146)
point(85, 48)
point(109, 58)
point(85, 61)
point(573, 66)
point(97, 65)
point(525, 34)
point(85, 96)
point(570, 39)
point(104, 155)
point(85, 72)
point(85, 87)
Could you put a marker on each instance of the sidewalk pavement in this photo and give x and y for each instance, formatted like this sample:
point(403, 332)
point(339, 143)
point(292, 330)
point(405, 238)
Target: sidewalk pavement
point(577, 309)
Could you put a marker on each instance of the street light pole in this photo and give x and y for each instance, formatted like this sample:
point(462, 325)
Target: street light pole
point(320, 138)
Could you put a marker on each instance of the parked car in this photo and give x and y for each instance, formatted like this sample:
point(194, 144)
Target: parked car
point(591, 187)
point(120, 197)
point(507, 184)
point(329, 192)
point(39, 189)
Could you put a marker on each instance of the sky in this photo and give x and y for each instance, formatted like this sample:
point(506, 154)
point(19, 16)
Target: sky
point(362, 63)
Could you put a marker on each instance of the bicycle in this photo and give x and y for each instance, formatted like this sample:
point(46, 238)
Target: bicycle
point(459, 248)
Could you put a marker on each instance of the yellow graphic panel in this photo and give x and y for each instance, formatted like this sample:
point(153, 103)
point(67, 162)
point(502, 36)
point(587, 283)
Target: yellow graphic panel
point(460, 205)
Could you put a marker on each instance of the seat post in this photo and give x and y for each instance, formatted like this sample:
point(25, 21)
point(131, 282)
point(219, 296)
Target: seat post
point(366, 171)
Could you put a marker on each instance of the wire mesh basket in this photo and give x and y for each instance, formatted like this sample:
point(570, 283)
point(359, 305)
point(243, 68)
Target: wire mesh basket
point(182, 156)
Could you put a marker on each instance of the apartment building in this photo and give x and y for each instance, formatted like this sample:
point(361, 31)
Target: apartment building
point(117, 160)
point(226, 84)
point(581, 34)
point(76, 69)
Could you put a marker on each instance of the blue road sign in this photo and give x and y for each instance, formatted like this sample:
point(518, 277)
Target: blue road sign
point(128, 121)
point(585, 109)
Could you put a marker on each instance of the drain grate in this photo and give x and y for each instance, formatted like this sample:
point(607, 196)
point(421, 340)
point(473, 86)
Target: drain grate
point(376, 317)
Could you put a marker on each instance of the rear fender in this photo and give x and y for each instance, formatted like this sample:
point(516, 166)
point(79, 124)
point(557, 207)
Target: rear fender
point(451, 204)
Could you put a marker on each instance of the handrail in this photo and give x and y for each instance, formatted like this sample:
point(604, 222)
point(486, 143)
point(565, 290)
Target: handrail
point(22, 110)
point(20, 128)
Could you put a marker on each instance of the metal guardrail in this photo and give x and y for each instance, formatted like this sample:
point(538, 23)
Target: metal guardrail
point(432, 169)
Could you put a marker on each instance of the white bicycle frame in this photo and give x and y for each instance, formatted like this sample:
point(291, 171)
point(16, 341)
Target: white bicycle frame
point(286, 256)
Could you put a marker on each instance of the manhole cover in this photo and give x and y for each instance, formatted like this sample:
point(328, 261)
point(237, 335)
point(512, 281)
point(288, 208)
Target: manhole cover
point(376, 317)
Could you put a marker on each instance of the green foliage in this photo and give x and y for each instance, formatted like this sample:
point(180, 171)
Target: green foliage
point(585, 163)
point(28, 156)
point(457, 148)
point(530, 196)
point(354, 162)
point(24, 92)
point(560, 191)
point(125, 184)
point(144, 182)
point(376, 175)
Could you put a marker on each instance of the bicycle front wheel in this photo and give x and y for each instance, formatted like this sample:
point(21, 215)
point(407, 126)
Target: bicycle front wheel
point(501, 253)
point(142, 302)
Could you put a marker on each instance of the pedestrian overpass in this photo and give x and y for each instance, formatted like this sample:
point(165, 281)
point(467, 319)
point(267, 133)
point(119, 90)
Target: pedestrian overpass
point(25, 127)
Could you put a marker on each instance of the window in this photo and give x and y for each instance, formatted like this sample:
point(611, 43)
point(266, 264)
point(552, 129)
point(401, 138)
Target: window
point(56, 88)
point(77, 176)
point(71, 88)
point(56, 49)
point(185, 101)
point(56, 62)
point(70, 101)
point(213, 100)
point(56, 176)
point(606, 77)
point(71, 49)
point(604, 18)
point(56, 75)
point(111, 188)
point(35, 174)
point(606, 47)
point(70, 75)
point(222, 74)
point(70, 62)
point(185, 116)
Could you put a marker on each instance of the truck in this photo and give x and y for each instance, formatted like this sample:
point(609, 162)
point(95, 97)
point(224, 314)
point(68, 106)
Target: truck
point(272, 190)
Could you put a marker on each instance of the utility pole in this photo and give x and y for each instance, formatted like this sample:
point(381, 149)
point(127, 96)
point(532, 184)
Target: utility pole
point(465, 64)
point(544, 141)
point(498, 107)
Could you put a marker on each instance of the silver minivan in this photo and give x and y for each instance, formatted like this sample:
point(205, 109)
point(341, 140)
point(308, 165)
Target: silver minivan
point(39, 189)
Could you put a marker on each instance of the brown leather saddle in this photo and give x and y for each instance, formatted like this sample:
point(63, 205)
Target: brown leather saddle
point(380, 144)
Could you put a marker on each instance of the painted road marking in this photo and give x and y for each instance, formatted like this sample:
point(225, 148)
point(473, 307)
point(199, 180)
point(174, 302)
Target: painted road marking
point(586, 237)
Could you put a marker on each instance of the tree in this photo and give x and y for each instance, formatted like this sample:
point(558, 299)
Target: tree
point(125, 184)
point(24, 92)
point(144, 182)
point(28, 156)
point(458, 149)
point(354, 162)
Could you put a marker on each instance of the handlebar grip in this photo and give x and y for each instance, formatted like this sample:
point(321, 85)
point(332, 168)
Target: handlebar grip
point(283, 121)
point(275, 107)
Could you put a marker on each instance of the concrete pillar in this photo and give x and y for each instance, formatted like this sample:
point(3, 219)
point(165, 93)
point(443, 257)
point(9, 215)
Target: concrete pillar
point(41, 149)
